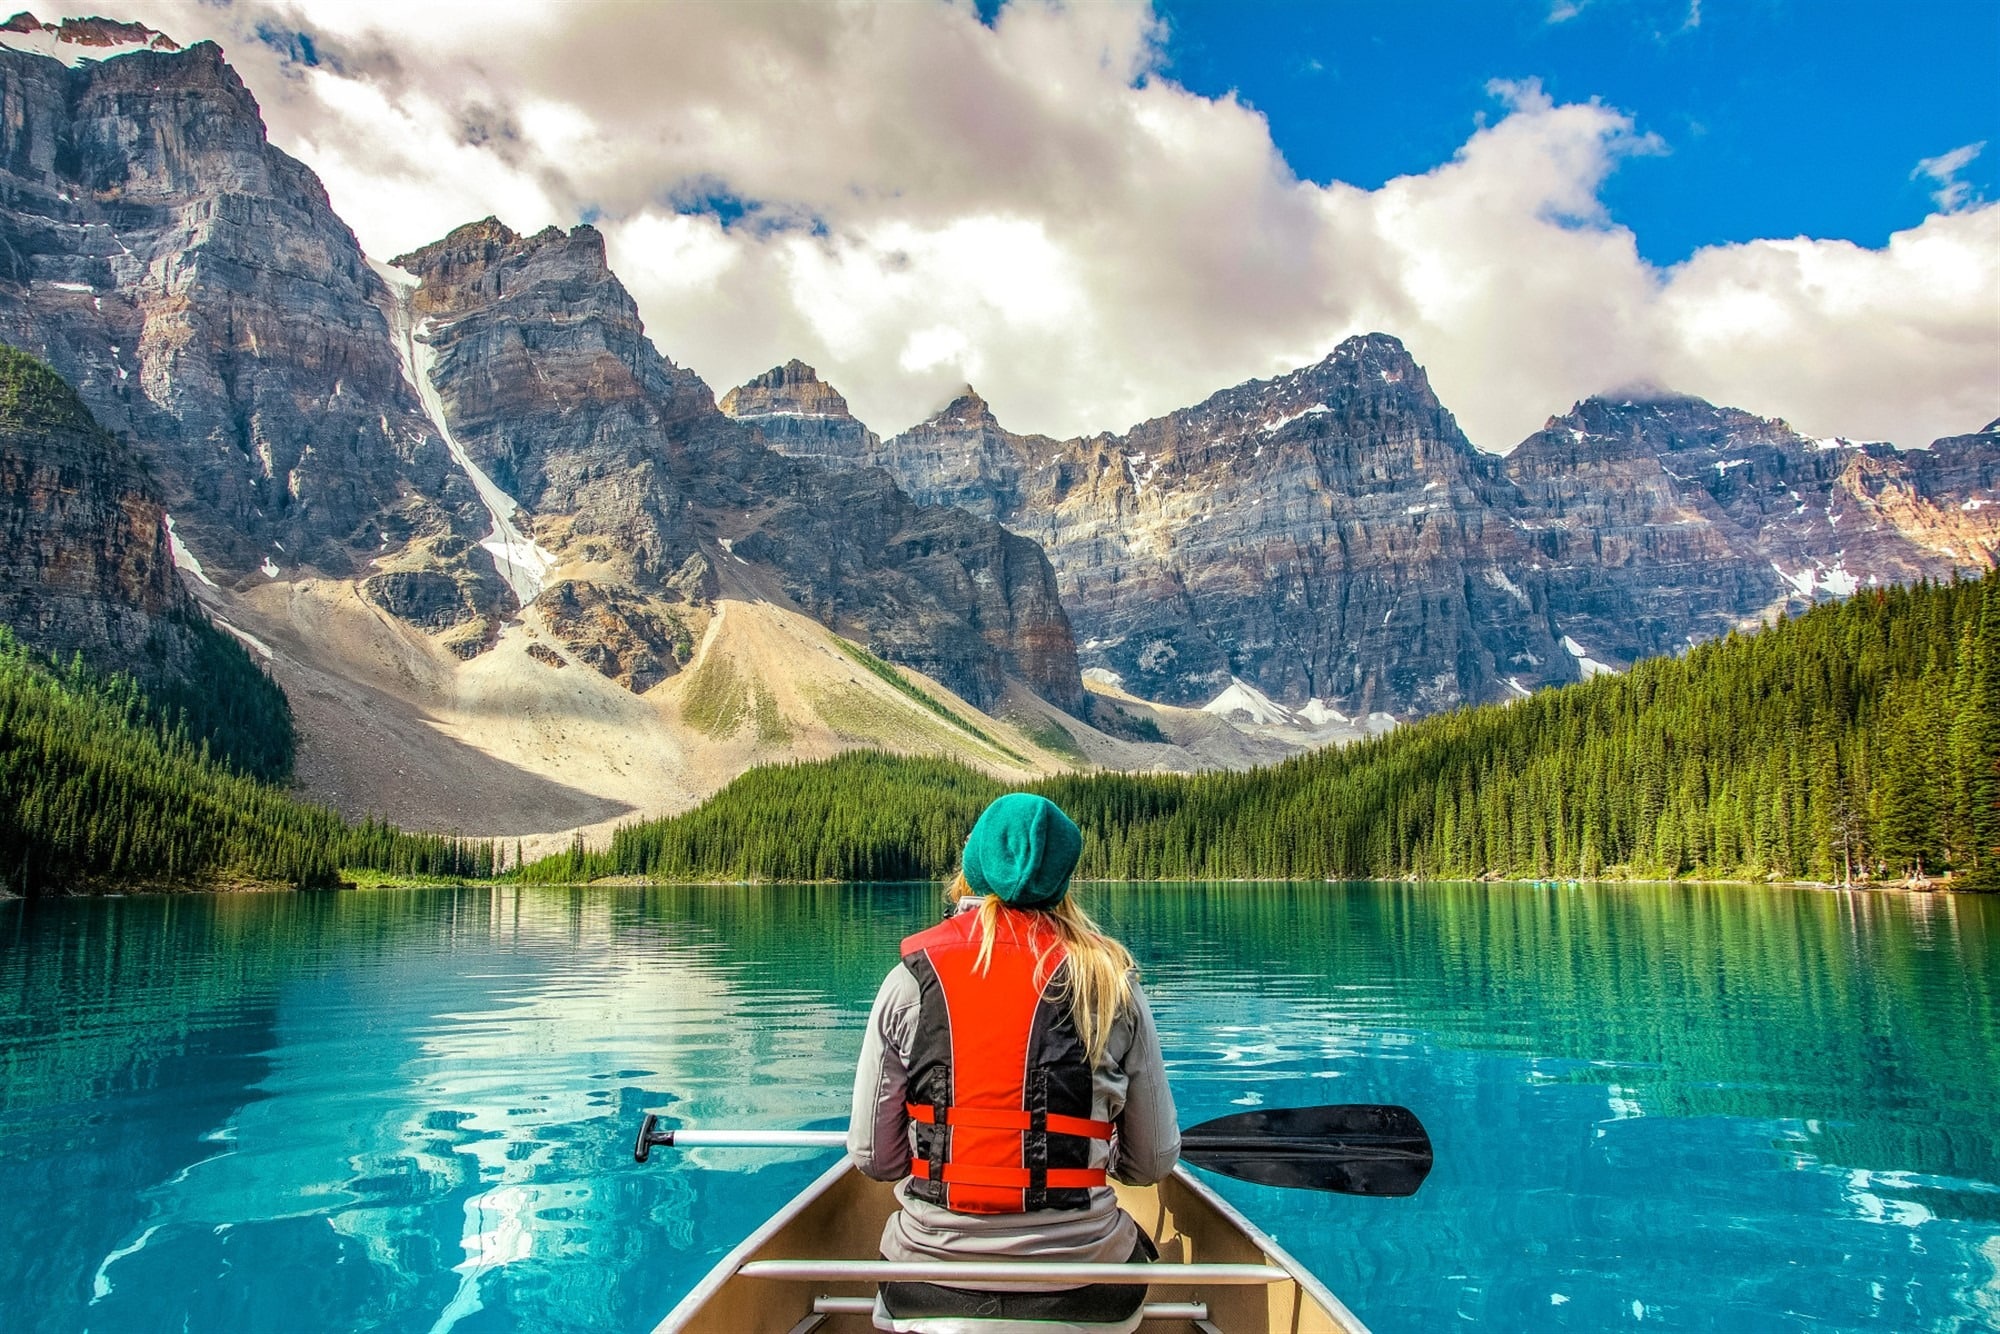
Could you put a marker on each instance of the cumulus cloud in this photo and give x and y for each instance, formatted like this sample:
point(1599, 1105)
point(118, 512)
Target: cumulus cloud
point(910, 199)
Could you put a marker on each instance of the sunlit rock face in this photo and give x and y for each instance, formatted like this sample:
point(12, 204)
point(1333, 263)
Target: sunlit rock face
point(802, 416)
point(194, 285)
point(1331, 536)
point(458, 435)
point(548, 382)
point(1663, 521)
point(1320, 535)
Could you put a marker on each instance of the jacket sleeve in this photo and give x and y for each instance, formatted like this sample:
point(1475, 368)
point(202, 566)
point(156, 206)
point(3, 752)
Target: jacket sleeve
point(1149, 1135)
point(878, 1127)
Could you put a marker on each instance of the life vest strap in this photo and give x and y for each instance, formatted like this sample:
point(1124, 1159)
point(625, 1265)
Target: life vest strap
point(1015, 1178)
point(1001, 1118)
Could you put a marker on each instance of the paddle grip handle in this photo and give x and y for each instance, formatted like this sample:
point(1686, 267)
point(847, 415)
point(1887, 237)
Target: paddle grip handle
point(649, 1136)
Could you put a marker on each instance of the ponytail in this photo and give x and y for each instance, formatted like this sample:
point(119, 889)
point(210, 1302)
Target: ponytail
point(1099, 982)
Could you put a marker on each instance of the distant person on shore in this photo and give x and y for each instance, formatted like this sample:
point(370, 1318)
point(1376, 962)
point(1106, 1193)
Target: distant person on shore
point(1011, 1059)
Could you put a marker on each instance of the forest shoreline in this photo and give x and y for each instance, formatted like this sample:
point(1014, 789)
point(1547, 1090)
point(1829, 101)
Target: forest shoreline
point(378, 880)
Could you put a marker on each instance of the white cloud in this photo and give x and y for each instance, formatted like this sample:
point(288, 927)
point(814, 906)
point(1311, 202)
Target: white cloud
point(909, 199)
point(1951, 194)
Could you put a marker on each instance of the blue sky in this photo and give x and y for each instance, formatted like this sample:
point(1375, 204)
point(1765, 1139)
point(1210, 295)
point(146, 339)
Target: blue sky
point(1778, 117)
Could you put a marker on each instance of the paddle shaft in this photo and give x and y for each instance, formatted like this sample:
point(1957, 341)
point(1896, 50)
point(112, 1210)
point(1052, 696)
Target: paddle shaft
point(834, 1139)
point(1351, 1149)
point(739, 1139)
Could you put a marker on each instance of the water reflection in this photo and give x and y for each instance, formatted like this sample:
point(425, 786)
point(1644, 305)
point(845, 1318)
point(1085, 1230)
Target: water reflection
point(1715, 1108)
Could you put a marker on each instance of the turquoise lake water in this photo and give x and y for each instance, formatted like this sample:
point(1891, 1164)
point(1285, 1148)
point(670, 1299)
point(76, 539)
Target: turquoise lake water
point(1654, 1107)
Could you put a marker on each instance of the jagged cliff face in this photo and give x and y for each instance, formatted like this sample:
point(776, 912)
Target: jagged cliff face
point(1666, 521)
point(1330, 535)
point(549, 386)
point(85, 558)
point(460, 436)
point(1326, 535)
point(193, 284)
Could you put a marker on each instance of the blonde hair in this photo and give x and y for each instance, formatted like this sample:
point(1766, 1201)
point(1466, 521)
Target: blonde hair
point(1099, 982)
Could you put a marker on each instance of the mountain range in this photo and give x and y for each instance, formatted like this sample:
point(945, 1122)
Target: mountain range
point(520, 573)
point(1328, 543)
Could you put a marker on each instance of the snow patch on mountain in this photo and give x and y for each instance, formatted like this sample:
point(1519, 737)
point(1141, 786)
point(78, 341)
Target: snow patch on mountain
point(1317, 712)
point(184, 560)
point(1242, 697)
point(1497, 578)
point(1835, 579)
point(1272, 428)
point(521, 562)
point(1586, 664)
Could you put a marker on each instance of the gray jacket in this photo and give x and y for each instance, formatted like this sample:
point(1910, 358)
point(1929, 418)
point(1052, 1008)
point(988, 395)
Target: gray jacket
point(1129, 1089)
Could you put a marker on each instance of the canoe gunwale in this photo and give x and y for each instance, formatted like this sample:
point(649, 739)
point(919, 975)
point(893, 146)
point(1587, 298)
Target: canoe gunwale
point(1308, 1281)
point(725, 1268)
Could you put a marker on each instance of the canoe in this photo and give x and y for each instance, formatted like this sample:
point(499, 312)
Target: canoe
point(812, 1268)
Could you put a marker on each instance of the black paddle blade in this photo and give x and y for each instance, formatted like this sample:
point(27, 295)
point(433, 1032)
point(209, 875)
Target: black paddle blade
point(1350, 1148)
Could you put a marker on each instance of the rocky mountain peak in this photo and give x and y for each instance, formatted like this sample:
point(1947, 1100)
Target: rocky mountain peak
point(1377, 351)
point(78, 39)
point(485, 238)
point(1647, 425)
point(1366, 378)
point(793, 389)
point(490, 255)
point(967, 411)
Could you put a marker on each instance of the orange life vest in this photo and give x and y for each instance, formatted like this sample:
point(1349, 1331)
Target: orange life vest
point(1000, 1084)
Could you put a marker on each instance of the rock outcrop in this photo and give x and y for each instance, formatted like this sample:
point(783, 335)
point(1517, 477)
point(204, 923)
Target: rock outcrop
point(78, 39)
point(627, 638)
point(1660, 521)
point(801, 415)
point(86, 563)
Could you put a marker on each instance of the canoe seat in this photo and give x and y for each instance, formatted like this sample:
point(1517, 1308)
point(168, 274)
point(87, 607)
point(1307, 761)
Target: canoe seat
point(932, 1308)
point(1195, 1313)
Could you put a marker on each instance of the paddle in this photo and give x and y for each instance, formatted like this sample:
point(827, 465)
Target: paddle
point(1349, 1148)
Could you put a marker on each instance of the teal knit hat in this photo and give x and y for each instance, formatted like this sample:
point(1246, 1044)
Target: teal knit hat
point(1022, 850)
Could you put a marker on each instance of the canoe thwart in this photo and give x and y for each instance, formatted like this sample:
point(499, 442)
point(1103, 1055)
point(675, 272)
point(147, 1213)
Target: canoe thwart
point(1150, 1311)
point(971, 1273)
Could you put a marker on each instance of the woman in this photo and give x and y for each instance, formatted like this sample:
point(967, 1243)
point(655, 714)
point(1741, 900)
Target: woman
point(1011, 1057)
